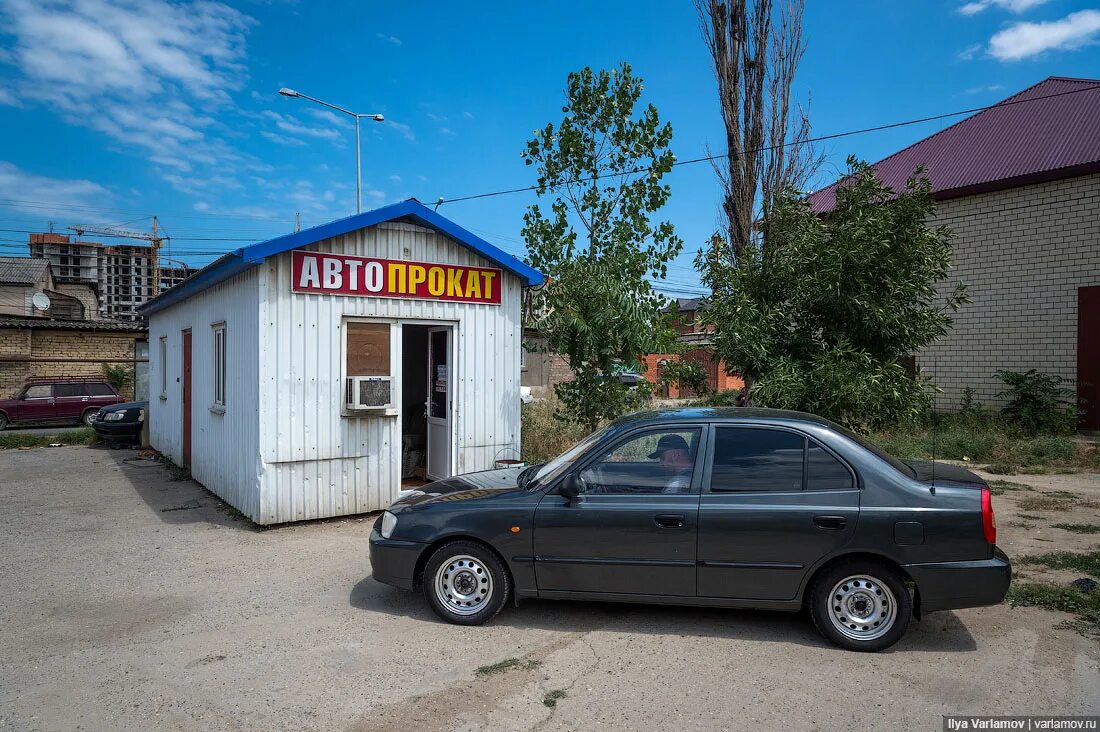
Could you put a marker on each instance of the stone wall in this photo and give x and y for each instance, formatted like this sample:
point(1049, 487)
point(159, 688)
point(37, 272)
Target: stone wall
point(1023, 252)
point(31, 353)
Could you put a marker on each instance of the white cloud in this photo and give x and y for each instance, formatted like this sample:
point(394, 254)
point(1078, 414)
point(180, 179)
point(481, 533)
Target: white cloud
point(1024, 40)
point(145, 73)
point(1012, 6)
point(41, 194)
point(468, 115)
point(281, 139)
point(969, 52)
point(990, 88)
point(202, 206)
point(446, 131)
point(330, 117)
point(291, 125)
point(404, 129)
point(395, 178)
point(392, 39)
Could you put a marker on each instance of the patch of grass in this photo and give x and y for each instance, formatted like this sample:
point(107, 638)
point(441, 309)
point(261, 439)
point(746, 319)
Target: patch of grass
point(506, 665)
point(1079, 528)
point(14, 441)
point(175, 472)
point(1046, 449)
point(1031, 517)
point(1047, 503)
point(551, 699)
point(1085, 606)
point(997, 487)
point(1002, 468)
point(545, 434)
point(1086, 562)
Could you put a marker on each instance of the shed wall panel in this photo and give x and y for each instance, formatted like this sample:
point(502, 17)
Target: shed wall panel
point(225, 446)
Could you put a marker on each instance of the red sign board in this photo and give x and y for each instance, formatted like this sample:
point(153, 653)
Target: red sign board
point(343, 274)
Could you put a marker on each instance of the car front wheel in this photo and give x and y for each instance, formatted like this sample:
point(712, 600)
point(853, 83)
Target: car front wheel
point(861, 605)
point(466, 583)
point(3, 422)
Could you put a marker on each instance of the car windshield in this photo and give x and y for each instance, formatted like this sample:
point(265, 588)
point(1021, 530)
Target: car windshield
point(551, 470)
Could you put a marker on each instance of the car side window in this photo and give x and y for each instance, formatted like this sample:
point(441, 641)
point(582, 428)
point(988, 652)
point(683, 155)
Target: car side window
point(39, 391)
point(69, 390)
point(654, 462)
point(756, 459)
point(98, 388)
point(824, 472)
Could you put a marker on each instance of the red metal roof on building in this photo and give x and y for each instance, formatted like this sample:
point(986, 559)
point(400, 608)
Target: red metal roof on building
point(1046, 132)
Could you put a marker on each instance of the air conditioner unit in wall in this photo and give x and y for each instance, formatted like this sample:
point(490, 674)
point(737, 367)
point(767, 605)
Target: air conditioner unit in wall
point(369, 392)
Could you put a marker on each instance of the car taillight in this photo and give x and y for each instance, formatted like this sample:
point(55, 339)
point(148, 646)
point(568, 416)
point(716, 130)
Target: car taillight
point(989, 521)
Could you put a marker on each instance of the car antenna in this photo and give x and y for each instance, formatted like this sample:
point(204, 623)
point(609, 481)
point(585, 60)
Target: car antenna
point(935, 429)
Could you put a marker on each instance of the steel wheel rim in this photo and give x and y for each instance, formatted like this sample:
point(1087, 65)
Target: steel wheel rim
point(862, 607)
point(89, 418)
point(463, 584)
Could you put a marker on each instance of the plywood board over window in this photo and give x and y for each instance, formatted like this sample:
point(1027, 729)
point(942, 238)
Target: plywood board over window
point(368, 349)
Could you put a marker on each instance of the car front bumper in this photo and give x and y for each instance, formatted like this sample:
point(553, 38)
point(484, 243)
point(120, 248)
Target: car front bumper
point(953, 585)
point(393, 561)
point(117, 429)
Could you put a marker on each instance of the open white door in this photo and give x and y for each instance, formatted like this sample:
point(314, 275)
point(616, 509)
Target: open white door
point(439, 403)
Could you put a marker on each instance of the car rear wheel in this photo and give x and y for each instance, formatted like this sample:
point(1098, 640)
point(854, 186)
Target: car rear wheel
point(465, 583)
point(861, 605)
point(89, 417)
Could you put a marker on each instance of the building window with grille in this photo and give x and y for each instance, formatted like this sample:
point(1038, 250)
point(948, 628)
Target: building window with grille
point(219, 367)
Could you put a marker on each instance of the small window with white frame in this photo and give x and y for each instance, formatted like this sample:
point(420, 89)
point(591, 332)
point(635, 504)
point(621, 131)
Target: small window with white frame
point(162, 357)
point(522, 356)
point(368, 366)
point(219, 367)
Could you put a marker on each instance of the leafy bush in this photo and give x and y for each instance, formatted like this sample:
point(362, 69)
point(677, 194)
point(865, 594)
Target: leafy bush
point(726, 398)
point(545, 434)
point(120, 377)
point(1037, 402)
point(1052, 448)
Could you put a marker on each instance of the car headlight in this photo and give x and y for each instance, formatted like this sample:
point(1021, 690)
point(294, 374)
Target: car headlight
point(389, 523)
point(115, 416)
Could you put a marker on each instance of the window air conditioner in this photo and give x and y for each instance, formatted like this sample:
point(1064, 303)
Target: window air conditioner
point(369, 392)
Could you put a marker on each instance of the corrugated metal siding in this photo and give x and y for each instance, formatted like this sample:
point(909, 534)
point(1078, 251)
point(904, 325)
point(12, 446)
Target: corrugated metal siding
point(224, 447)
point(318, 463)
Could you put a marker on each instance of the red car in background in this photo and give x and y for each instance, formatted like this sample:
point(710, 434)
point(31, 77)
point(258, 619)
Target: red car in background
point(46, 401)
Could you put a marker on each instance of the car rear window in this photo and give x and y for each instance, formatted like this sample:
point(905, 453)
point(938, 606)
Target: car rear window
point(824, 472)
point(99, 388)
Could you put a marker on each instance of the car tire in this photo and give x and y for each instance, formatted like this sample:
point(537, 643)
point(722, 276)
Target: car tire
point(861, 605)
point(88, 417)
point(3, 421)
point(466, 583)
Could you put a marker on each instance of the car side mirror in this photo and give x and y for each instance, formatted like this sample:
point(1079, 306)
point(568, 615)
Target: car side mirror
point(572, 487)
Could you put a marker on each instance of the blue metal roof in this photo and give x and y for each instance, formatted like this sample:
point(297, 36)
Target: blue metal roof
point(412, 210)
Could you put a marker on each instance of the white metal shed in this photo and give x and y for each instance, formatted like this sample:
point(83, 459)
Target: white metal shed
point(306, 376)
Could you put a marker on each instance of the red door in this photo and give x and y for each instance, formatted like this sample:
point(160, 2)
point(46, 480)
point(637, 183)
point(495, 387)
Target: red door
point(1088, 356)
point(186, 392)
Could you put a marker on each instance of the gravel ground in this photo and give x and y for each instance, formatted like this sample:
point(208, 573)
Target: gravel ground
point(132, 602)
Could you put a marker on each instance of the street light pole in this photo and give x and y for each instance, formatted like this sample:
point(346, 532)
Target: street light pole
point(358, 156)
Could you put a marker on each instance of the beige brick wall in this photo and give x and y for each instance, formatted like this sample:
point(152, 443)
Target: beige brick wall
point(28, 354)
point(1023, 252)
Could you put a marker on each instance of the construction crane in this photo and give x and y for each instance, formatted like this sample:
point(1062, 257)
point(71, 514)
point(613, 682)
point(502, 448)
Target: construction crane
point(155, 239)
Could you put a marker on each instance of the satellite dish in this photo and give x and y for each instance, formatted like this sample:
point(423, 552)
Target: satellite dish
point(41, 301)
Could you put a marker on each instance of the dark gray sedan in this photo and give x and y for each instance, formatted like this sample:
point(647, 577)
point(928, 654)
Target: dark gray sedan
point(745, 508)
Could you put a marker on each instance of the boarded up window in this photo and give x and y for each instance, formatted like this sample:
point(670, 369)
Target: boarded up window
point(368, 349)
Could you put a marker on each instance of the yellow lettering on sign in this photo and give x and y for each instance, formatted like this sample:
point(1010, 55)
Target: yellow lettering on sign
point(395, 279)
point(454, 282)
point(473, 285)
point(436, 281)
point(488, 278)
point(417, 274)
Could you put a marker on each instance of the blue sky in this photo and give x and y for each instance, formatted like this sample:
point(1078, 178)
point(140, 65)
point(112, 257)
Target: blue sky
point(112, 111)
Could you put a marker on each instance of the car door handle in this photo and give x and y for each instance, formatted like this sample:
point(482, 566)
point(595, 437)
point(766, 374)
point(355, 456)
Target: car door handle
point(830, 522)
point(669, 520)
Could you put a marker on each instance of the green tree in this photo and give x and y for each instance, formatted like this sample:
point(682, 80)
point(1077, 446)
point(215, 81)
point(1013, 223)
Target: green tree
point(821, 316)
point(603, 167)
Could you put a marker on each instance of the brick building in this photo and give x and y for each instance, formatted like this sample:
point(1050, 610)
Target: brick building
point(45, 347)
point(699, 339)
point(1019, 185)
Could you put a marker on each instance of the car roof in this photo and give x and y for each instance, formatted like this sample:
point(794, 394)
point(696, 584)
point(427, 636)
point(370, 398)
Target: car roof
point(67, 380)
point(722, 414)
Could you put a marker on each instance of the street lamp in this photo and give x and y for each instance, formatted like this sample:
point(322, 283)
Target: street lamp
point(358, 161)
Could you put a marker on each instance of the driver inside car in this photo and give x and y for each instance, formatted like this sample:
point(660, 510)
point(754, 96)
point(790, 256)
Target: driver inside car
point(675, 456)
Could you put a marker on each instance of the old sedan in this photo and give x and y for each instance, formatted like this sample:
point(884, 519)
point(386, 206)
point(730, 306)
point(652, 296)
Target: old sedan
point(741, 508)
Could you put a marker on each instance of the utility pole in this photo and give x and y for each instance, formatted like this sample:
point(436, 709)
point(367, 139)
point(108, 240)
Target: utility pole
point(155, 241)
point(297, 221)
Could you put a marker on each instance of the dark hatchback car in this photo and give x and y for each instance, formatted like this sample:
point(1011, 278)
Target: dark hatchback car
point(120, 422)
point(719, 507)
point(51, 401)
